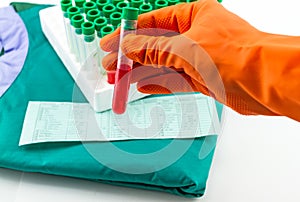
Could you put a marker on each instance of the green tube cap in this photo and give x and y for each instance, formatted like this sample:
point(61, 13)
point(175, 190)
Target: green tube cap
point(130, 13)
point(101, 3)
point(136, 3)
point(108, 10)
point(106, 30)
point(144, 8)
point(87, 6)
point(122, 5)
point(77, 20)
point(74, 10)
point(88, 28)
point(115, 18)
point(99, 23)
point(65, 4)
point(92, 15)
point(160, 4)
point(79, 3)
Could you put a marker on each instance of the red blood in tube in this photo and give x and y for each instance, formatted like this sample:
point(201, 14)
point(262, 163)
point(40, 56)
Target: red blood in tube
point(122, 84)
point(111, 77)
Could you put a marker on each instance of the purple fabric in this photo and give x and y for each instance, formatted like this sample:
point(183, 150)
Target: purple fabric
point(14, 40)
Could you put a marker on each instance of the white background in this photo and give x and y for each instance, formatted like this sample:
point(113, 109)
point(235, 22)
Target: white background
point(256, 159)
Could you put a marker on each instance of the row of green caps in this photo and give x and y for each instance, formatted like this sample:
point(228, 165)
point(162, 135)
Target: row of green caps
point(109, 6)
point(99, 24)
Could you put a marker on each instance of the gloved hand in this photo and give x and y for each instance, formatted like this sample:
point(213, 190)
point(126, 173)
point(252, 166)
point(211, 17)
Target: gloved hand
point(216, 53)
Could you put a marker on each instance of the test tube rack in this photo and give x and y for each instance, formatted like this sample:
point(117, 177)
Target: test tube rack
point(92, 82)
point(94, 86)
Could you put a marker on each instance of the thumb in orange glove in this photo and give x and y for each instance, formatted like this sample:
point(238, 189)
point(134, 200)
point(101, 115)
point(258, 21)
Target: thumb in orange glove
point(215, 52)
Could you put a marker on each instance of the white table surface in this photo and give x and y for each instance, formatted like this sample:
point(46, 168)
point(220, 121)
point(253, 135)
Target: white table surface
point(256, 159)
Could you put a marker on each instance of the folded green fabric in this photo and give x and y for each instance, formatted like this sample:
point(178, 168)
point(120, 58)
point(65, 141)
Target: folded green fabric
point(176, 166)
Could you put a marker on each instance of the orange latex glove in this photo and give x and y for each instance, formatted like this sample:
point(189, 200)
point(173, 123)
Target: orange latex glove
point(215, 52)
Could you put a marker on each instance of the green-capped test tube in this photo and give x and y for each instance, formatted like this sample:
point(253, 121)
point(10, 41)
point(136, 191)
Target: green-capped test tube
point(99, 23)
point(77, 21)
point(136, 3)
point(101, 3)
point(71, 12)
point(105, 30)
point(115, 18)
point(87, 6)
point(79, 4)
point(90, 47)
point(122, 5)
point(65, 4)
point(124, 64)
point(92, 15)
point(144, 8)
point(108, 9)
point(160, 4)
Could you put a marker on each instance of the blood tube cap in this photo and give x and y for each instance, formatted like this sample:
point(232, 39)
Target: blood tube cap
point(79, 3)
point(121, 5)
point(99, 23)
point(101, 4)
point(144, 8)
point(92, 15)
point(89, 6)
point(77, 20)
point(130, 13)
point(115, 18)
point(106, 30)
point(136, 3)
point(108, 9)
point(65, 4)
point(74, 10)
point(88, 28)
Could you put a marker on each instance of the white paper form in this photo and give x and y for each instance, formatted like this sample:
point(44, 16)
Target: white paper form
point(176, 116)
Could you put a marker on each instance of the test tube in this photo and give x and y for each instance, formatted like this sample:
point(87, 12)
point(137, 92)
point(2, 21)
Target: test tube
point(105, 31)
point(144, 8)
point(99, 23)
point(71, 12)
point(77, 20)
point(90, 46)
point(92, 15)
point(115, 18)
point(124, 64)
point(108, 9)
point(65, 4)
